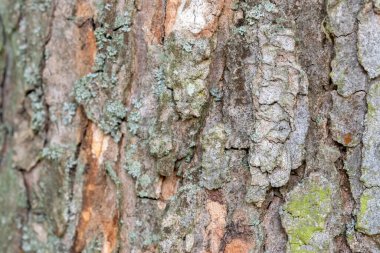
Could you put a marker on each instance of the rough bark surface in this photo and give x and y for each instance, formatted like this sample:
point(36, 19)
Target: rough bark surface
point(190, 126)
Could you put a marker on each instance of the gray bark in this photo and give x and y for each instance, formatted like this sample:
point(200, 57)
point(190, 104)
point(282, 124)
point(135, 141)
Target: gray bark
point(190, 126)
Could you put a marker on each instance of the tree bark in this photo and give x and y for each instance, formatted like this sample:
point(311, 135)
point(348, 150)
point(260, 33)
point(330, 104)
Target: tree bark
point(190, 126)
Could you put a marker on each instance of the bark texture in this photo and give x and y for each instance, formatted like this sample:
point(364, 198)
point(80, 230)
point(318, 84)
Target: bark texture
point(190, 126)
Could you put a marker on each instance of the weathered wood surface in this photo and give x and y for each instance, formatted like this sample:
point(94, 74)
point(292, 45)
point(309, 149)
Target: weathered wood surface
point(190, 126)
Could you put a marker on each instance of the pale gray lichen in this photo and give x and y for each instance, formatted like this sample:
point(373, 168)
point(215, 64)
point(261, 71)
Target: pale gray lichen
point(100, 92)
point(133, 168)
point(241, 30)
point(38, 110)
point(161, 147)
point(52, 153)
point(83, 91)
point(41, 6)
point(101, 37)
point(115, 109)
point(151, 239)
point(100, 60)
point(113, 114)
point(86, 93)
point(69, 111)
point(111, 51)
point(123, 22)
point(270, 7)
point(255, 13)
point(132, 165)
point(216, 93)
point(256, 194)
point(133, 122)
point(134, 117)
point(187, 46)
point(32, 75)
point(159, 76)
point(71, 163)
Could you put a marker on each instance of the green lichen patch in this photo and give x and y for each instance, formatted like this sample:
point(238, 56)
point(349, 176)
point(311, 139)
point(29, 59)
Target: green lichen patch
point(368, 217)
point(32, 76)
point(305, 213)
point(115, 109)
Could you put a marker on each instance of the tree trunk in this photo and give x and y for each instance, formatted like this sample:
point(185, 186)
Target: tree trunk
point(190, 126)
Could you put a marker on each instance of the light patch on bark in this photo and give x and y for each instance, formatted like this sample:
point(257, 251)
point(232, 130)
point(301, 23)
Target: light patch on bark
point(216, 228)
point(238, 246)
point(193, 16)
point(279, 90)
point(99, 143)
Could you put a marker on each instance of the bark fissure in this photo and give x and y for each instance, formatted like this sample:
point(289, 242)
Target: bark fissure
point(189, 126)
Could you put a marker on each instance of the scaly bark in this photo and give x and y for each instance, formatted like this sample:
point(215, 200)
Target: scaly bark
point(189, 126)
